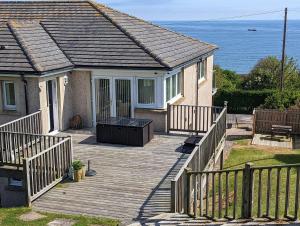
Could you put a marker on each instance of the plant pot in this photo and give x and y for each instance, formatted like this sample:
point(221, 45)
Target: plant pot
point(77, 175)
point(83, 172)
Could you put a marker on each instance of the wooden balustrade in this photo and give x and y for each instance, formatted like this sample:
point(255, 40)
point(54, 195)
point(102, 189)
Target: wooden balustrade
point(208, 151)
point(27, 124)
point(47, 168)
point(271, 192)
point(188, 118)
point(14, 147)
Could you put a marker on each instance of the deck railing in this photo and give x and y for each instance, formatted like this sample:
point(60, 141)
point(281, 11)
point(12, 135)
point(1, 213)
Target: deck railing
point(208, 151)
point(27, 124)
point(14, 147)
point(188, 118)
point(47, 168)
point(245, 193)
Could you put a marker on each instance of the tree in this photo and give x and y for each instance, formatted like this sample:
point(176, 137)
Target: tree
point(226, 79)
point(266, 74)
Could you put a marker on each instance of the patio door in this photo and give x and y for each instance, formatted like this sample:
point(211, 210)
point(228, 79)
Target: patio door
point(112, 98)
point(52, 105)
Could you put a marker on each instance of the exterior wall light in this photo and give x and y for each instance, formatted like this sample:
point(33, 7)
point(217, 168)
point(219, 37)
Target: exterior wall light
point(66, 80)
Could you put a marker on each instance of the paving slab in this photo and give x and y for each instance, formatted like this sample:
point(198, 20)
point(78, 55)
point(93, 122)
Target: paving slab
point(62, 222)
point(31, 216)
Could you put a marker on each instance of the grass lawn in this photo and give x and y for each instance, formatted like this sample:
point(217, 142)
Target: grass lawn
point(9, 217)
point(242, 153)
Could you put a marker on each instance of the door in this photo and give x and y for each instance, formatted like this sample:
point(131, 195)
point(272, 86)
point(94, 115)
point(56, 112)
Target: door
point(52, 105)
point(123, 100)
point(103, 98)
point(112, 98)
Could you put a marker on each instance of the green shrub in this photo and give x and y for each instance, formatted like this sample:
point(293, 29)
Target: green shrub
point(77, 165)
point(241, 101)
point(282, 100)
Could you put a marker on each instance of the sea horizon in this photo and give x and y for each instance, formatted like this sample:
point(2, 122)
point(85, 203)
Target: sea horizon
point(240, 49)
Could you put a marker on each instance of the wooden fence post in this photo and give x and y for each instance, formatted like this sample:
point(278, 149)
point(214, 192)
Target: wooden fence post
point(26, 181)
point(173, 197)
point(187, 191)
point(168, 118)
point(247, 190)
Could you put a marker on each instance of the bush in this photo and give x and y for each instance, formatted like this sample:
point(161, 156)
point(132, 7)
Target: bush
point(241, 101)
point(282, 100)
point(226, 79)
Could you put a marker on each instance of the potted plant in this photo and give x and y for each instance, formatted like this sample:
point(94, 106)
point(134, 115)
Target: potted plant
point(77, 167)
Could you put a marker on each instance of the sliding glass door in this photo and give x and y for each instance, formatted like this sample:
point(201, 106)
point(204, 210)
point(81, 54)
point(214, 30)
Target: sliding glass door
point(112, 97)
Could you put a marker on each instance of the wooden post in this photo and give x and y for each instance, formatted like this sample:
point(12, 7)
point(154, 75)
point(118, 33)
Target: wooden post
point(222, 160)
point(26, 181)
point(187, 191)
point(168, 118)
point(247, 191)
point(173, 197)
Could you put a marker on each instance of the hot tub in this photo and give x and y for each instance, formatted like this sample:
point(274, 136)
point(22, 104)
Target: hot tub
point(126, 131)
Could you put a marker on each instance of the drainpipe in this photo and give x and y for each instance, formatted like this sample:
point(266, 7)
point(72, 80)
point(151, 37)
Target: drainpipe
point(25, 90)
point(197, 86)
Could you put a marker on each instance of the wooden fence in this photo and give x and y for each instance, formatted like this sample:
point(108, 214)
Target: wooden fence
point(208, 151)
point(245, 193)
point(265, 118)
point(188, 118)
point(27, 124)
point(14, 147)
point(47, 168)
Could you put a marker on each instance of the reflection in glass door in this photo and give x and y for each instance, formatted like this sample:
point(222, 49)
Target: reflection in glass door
point(103, 101)
point(123, 97)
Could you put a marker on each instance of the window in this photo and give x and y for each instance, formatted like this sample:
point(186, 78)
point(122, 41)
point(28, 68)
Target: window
point(202, 68)
point(173, 86)
point(146, 91)
point(9, 95)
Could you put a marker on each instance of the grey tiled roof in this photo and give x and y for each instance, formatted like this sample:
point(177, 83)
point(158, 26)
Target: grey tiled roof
point(88, 35)
point(38, 46)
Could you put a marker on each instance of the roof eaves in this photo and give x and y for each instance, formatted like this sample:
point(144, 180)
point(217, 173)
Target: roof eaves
point(156, 58)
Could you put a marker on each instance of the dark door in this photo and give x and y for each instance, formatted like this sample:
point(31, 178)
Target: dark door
point(50, 105)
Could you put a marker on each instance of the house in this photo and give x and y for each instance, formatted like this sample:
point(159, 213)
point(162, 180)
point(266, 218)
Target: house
point(70, 58)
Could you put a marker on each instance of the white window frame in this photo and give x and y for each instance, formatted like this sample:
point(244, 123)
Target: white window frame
point(5, 105)
point(137, 92)
point(202, 64)
point(178, 95)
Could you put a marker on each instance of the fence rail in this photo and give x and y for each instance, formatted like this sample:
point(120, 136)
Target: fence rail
point(14, 147)
point(245, 193)
point(27, 124)
point(47, 168)
point(265, 118)
point(188, 118)
point(207, 150)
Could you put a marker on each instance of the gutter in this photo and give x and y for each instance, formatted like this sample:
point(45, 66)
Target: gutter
point(25, 90)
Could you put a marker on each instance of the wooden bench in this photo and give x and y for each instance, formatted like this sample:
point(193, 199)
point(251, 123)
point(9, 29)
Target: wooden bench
point(280, 129)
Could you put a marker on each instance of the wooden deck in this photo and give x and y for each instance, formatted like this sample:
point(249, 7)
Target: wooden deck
point(277, 141)
point(132, 183)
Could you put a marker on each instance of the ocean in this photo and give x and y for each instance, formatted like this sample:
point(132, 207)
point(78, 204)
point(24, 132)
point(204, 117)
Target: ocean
point(240, 49)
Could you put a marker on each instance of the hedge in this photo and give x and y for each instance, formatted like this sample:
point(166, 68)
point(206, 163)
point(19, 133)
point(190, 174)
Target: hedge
point(241, 101)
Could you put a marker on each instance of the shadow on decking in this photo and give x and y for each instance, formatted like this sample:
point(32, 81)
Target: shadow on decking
point(159, 200)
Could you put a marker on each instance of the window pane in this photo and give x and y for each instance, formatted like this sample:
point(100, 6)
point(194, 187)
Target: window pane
point(179, 83)
point(168, 88)
point(10, 93)
point(146, 91)
point(174, 86)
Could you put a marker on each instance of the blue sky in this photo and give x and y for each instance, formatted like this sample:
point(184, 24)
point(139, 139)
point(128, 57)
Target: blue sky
point(204, 10)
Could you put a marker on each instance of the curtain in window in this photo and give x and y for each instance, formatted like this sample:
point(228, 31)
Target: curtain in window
point(179, 83)
point(174, 91)
point(146, 91)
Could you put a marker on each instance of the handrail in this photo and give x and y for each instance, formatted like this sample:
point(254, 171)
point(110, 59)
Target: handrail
point(16, 120)
point(53, 146)
point(197, 147)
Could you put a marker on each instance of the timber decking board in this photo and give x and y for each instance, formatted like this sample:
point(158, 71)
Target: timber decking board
point(132, 183)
